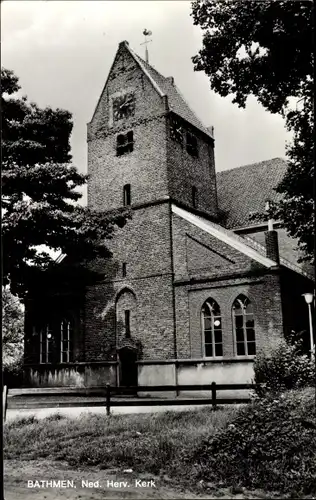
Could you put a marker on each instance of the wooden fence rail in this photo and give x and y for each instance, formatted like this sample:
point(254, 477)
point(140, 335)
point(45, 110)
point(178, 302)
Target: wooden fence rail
point(108, 400)
point(213, 387)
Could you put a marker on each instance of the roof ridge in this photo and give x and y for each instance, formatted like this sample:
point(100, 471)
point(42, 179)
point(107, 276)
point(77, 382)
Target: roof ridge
point(252, 164)
point(177, 102)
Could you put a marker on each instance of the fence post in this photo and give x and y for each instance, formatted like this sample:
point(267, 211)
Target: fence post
point(214, 395)
point(108, 399)
point(4, 402)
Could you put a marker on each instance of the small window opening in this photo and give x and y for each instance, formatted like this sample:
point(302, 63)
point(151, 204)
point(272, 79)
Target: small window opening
point(124, 269)
point(127, 195)
point(124, 143)
point(127, 324)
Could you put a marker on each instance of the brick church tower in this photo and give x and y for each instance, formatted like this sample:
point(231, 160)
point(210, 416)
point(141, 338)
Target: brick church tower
point(146, 149)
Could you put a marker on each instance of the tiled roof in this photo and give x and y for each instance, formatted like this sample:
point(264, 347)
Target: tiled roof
point(244, 190)
point(176, 102)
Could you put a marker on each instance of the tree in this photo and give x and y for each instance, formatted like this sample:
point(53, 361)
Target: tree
point(40, 192)
point(12, 329)
point(265, 49)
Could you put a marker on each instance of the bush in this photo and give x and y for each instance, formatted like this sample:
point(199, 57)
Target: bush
point(13, 373)
point(283, 368)
point(270, 445)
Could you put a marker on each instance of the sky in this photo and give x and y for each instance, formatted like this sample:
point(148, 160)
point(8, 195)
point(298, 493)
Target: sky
point(62, 52)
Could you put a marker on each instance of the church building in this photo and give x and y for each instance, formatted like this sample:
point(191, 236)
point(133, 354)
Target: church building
point(194, 288)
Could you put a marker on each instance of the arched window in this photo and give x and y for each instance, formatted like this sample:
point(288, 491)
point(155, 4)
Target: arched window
point(212, 329)
point(244, 326)
point(66, 341)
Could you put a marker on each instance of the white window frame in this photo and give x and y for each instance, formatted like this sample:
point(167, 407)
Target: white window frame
point(245, 336)
point(213, 318)
point(68, 339)
point(44, 332)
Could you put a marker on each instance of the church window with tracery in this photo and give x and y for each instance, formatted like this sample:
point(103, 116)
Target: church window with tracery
point(244, 326)
point(212, 329)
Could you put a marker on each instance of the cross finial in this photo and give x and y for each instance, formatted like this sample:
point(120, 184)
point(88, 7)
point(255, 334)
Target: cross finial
point(146, 33)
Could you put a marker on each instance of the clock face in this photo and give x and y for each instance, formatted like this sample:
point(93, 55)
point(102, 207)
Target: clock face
point(176, 131)
point(123, 106)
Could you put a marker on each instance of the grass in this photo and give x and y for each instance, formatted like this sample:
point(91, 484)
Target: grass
point(268, 445)
point(152, 443)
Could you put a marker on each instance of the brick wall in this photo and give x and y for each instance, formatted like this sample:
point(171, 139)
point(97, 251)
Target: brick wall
point(226, 273)
point(144, 245)
point(264, 294)
point(197, 253)
point(185, 171)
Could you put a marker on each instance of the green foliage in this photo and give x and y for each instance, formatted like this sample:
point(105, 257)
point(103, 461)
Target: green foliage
point(271, 444)
point(283, 367)
point(40, 192)
point(265, 49)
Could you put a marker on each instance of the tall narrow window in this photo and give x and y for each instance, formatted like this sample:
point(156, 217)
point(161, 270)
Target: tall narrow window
point(127, 195)
point(127, 324)
point(212, 329)
point(194, 197)
point(46, 340)
point(124, 143)
point(124, 269)
point(244, 326)
point(66, 334)
point(192, 145)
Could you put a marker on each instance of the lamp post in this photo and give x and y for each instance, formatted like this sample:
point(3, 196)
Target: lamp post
point(309, 297)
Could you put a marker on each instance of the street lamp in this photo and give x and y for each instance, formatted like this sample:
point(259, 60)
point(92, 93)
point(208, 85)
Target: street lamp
point(309, 297)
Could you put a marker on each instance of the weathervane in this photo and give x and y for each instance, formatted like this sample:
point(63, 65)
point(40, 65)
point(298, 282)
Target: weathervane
point(146, 33)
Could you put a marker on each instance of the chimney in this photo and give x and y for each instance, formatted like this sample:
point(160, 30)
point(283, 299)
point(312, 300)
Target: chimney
point(170, 79)
point(123, 44)
point(271, 237)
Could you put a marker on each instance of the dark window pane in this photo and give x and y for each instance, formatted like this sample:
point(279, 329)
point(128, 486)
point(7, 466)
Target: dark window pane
point(120, 140)
point(240, 349)
point(218, 336)
point(237, 307)
point(130, 136)
point(251, 348)
point(239, 334)
point(208, 336)
point(216, 309)
point(208, 350)
point(127, 324)
point(218, 350)
point(239, 321)
point(250, 334)
point(64, 357)
point(208, 323)
point(250, 321)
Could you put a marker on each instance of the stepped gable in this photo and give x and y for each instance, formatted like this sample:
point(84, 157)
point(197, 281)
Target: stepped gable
point(244, 190)
point(176, 102)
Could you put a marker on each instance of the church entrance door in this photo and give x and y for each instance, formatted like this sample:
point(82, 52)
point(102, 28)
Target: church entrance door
point(128, 367)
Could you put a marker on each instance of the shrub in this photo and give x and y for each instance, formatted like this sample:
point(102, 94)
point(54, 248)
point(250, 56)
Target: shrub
point(283, 368)
point(270, 445)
